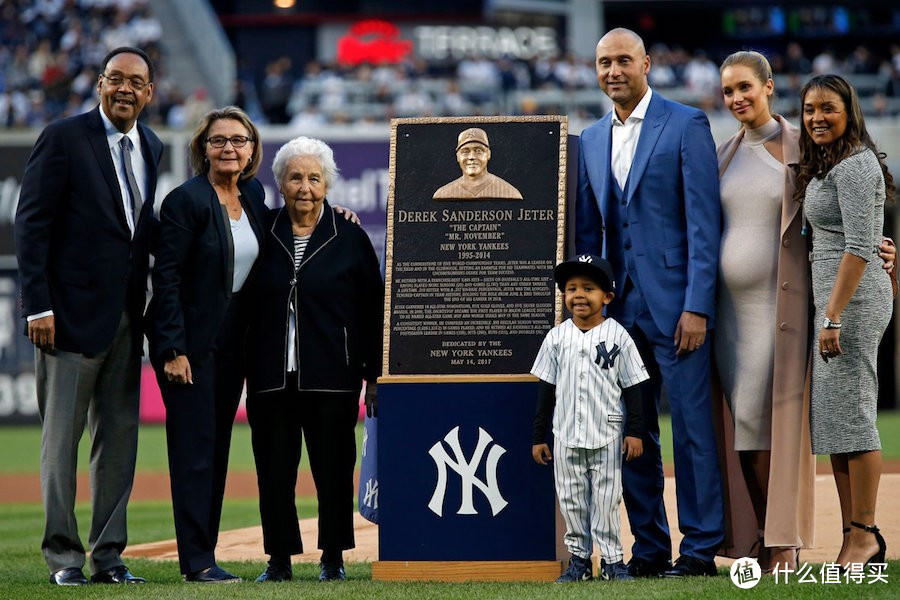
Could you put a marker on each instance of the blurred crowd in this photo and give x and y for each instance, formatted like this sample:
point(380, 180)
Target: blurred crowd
point(50, 55)
point(329, 93)
point(50, 52)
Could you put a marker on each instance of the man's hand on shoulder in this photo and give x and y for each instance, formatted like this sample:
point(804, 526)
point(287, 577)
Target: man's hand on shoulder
point(42, 332)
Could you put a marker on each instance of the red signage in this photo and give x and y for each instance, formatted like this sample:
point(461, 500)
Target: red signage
point(372, 41)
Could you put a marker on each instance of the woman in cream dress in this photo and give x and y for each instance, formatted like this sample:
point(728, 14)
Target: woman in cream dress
point(760, 342)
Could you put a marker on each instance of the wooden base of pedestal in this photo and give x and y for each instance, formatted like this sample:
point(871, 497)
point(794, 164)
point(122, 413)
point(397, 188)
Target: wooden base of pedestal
point(455, 571)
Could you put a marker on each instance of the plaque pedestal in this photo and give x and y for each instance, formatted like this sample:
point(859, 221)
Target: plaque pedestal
point(460, 497)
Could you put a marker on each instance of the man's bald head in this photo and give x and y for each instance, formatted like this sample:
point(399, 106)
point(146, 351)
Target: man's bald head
point(623, 31)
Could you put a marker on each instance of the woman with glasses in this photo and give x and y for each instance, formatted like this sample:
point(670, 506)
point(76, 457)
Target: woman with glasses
point(210, 234)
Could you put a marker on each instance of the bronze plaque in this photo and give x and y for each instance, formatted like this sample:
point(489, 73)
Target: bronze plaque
point(475, 225)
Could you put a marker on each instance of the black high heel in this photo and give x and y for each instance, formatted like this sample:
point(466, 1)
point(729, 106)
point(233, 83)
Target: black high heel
point(882, 545)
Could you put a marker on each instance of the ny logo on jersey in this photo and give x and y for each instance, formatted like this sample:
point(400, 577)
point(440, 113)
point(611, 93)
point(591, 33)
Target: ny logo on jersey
point(466, 472)
point(371, 497)
point(608, 358)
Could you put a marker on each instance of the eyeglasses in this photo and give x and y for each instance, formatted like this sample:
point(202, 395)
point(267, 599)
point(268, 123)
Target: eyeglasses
point(237, 141)
point(117, 81)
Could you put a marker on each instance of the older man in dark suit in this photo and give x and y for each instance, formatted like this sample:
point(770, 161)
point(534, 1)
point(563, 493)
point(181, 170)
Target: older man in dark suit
point(82, 241)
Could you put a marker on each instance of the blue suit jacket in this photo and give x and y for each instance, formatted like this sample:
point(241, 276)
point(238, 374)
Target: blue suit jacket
point(669, 229)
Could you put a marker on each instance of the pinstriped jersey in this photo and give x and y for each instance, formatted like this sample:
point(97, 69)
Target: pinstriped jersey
point(589, 370)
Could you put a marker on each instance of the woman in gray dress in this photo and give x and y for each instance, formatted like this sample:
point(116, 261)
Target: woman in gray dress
point(844, 183)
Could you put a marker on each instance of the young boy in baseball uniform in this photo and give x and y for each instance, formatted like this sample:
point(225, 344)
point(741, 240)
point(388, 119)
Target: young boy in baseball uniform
point(587, 366)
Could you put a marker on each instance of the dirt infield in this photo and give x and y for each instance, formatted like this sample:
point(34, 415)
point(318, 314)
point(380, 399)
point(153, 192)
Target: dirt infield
point(240, 484)
point(147, 486)
point(246, 544)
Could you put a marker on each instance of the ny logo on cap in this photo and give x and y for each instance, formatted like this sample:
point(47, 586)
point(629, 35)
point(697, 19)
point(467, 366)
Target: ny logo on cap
point(585, 258)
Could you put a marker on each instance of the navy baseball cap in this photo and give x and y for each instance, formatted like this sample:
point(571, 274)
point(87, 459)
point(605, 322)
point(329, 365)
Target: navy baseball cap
point(589, 265)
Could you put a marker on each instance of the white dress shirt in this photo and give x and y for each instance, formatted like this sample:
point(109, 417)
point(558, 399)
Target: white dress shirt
point(138, 165)
point(625, 137)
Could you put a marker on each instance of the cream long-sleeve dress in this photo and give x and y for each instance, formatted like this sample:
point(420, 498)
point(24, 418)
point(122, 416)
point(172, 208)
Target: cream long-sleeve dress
point(751, 191)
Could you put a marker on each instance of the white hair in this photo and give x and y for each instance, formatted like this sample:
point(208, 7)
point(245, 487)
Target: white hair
point(305, 146)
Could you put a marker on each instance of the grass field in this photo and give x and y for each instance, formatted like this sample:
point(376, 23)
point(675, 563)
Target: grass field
point(23, 573)
point(20, 446)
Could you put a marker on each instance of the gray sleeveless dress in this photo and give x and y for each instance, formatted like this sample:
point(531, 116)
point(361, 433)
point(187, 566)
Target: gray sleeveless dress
point(846, 212)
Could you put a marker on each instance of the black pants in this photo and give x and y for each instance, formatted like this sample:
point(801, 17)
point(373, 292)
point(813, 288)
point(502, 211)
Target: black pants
point(199, 419)
point(278, 421)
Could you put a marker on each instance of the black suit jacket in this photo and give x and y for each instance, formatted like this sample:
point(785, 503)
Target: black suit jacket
point(339, 297)
point(76, 254)
point(192, 272)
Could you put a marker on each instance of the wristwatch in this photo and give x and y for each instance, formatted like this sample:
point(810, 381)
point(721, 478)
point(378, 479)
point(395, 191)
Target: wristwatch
point(829, 324)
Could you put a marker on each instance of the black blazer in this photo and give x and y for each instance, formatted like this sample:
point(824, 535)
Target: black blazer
point(339, 297)
point(193, 267)
point(75, 252)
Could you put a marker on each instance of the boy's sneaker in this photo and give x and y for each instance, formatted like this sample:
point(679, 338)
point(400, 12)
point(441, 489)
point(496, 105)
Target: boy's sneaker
point(579, 570)
point(614, 572)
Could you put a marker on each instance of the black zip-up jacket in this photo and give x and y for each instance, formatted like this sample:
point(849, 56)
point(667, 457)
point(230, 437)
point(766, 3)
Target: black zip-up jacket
point(338, 296)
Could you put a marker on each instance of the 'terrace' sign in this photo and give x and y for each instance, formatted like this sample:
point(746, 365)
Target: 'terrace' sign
point(442, 42)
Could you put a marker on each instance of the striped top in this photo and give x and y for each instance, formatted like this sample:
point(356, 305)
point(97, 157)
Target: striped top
point(589, 370)
point(300, 244)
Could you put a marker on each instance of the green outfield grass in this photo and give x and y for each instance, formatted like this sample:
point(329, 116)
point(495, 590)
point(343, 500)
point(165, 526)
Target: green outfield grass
point(20, 449)
point(20, 446)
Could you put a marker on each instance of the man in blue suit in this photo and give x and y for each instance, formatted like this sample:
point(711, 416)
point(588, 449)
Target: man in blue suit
point(82, 231)
point(648, 201)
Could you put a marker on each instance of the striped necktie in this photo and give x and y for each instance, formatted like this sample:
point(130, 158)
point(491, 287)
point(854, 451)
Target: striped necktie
point(133, 191)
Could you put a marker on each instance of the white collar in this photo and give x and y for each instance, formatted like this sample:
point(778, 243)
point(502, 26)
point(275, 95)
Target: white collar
point(113, 135)
point(639, 112)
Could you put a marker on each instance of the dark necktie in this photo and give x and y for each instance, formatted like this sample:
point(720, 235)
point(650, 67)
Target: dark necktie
point(133, 191)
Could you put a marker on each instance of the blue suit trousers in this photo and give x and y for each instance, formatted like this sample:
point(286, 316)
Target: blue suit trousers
point(698, 483)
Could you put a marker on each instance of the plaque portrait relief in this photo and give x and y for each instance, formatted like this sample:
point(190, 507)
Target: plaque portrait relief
point(473, 152)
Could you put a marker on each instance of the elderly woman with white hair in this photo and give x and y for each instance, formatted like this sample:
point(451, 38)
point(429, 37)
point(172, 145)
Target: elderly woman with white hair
point(316, 334)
